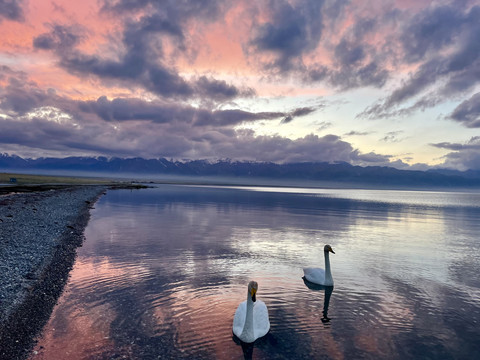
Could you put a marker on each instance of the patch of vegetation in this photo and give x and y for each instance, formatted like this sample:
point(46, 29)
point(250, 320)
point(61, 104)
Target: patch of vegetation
point(27, 179)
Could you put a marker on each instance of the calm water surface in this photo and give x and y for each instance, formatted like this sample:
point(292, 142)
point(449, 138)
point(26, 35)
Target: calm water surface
point(162, 271)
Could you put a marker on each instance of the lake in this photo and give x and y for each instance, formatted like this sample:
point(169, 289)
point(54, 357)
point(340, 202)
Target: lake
point(162, 271)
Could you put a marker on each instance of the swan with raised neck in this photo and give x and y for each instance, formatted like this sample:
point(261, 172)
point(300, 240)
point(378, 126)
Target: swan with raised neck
point(251, 318)
point(318, 275)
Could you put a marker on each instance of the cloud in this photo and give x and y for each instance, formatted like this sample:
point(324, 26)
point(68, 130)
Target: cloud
point(463, 156)
point(372, 158)
point(54, 130)
point(391, 136)
point(20, 95)
point(233, 117)
point(133, 67)
point(370, 74)
point(60, 38)
point(472, 144)
point(171, 10)
point(290, 31)
point(443, 41)
point(219, 89)
point(357, 133)
point(42, 119)
point(132, 109)
point(140, 61)
point(11, 10)
point(349, 53)
point(135, 127)
point(129, 109)
point(468, 112)
point(355, 60)
point(323, 125)
point(417, 57)
point(297, 113)
point(430, 30)
point(278, 149)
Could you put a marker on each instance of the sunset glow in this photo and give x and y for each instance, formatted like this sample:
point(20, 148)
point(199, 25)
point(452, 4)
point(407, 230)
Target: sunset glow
point(388, 83)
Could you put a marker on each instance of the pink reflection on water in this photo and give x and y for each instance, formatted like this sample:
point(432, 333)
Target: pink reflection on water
point(74, 333)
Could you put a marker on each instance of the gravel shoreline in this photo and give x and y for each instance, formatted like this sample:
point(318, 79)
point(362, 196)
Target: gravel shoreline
point(39, 234)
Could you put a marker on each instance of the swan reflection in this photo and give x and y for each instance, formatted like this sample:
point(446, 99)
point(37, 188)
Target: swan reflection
point(247, 348)
point(326, 302)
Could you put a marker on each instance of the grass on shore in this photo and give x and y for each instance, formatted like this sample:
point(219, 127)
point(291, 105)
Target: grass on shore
point(27, 179)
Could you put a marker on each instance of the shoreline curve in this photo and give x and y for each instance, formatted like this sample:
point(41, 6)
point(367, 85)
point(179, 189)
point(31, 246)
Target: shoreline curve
point(39, 234)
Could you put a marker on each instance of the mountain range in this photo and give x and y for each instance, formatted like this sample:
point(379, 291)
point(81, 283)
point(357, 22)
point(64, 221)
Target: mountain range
point(308, 171)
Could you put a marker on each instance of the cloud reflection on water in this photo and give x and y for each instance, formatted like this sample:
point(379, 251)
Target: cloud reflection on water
point(164, 270)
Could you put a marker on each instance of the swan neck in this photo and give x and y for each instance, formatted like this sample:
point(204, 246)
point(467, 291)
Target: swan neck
point(328, 271)
point(247, 333)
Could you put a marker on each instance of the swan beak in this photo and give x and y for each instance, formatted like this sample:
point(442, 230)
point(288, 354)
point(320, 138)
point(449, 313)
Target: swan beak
point(253, 293)
point(331, 250)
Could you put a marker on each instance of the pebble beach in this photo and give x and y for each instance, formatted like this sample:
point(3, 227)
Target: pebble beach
point(39, 234)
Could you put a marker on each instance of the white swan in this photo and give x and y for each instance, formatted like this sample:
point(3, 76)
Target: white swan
point(251, 318)
point(318, 275)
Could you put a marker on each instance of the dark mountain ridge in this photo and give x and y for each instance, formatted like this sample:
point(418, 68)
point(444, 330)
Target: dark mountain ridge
point(307, 171)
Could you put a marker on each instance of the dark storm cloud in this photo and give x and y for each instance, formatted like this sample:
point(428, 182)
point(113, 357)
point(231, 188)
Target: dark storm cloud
point(292, 31)
point(468, 112)
point(11, 10)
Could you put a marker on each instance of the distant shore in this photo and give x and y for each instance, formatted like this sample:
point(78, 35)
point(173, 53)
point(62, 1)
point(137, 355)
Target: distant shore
point(41, 226)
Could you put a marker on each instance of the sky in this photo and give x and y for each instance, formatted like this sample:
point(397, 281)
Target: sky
point(371, 83)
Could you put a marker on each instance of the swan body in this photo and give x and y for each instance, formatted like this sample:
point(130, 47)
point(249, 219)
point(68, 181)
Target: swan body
point(251, 318)
point(321, 276)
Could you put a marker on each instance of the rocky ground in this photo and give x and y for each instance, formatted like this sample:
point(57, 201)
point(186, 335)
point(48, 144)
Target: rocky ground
point(40, 230)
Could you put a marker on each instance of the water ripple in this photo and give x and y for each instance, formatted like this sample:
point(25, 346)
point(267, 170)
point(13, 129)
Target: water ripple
point(165, 278)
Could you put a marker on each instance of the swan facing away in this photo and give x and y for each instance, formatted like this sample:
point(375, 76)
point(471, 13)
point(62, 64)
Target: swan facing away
point(320, 276)
point(251, 318)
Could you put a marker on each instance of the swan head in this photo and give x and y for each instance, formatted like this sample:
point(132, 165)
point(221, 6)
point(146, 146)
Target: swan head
point(252, 290)
point(328, 248)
